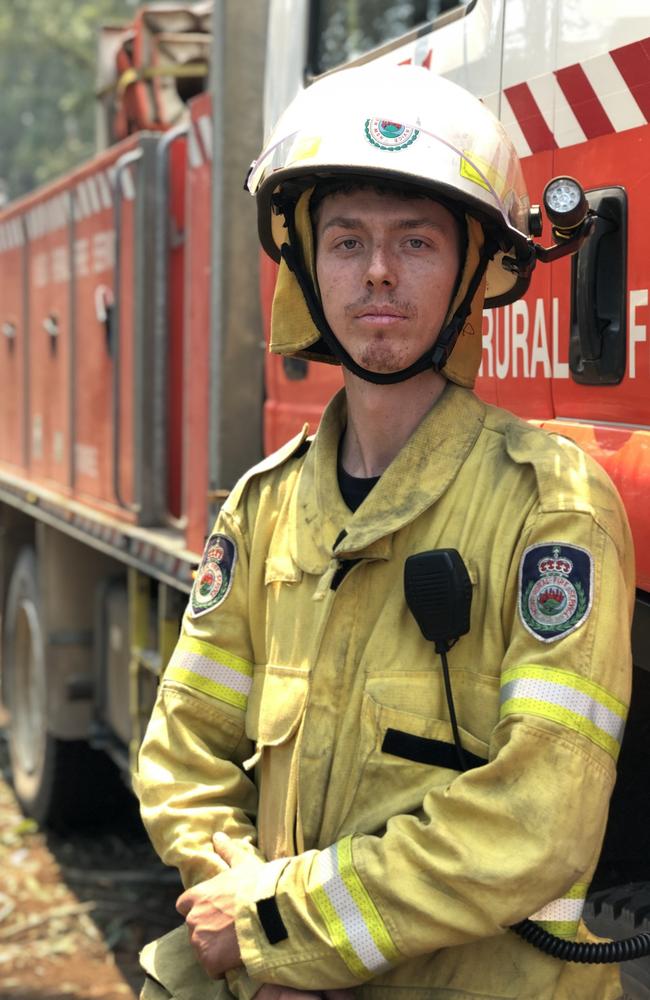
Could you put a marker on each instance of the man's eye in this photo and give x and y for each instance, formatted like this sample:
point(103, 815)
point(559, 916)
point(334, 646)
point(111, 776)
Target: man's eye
point(416, 243)
point(349, 244)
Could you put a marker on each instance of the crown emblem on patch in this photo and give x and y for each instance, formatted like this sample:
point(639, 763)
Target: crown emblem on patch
point(555, 563)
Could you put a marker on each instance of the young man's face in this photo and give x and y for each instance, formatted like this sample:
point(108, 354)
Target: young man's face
point(386, 268)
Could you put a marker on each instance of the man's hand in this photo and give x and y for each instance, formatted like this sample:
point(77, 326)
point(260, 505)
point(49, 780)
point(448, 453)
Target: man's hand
point(209, 909)
point(210, 919)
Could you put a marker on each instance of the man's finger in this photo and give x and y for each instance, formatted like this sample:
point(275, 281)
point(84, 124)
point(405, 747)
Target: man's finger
point(185, 902)
point(231, 851)
point(223, 846)
point(224, 866)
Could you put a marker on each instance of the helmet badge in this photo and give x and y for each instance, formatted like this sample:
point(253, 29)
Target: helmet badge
point(392, 136)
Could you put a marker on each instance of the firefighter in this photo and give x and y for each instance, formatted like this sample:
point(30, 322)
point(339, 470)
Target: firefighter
point(342, 825)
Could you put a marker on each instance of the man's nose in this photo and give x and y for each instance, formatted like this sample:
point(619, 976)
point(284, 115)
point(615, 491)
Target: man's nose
point(380, 269)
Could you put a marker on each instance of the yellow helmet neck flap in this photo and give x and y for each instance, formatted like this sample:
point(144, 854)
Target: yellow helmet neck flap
point(463, 319)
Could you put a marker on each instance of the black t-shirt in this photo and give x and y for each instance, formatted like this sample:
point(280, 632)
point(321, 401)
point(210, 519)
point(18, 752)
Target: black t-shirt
point(354, 489)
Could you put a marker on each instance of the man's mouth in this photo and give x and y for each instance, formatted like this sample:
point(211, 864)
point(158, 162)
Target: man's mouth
point(380, 315)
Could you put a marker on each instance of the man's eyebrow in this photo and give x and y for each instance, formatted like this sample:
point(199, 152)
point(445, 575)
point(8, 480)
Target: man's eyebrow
point(419, 223)
point(342, 222)
point(347, 222)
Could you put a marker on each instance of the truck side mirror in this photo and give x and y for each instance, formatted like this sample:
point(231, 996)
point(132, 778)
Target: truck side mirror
point(597, 346)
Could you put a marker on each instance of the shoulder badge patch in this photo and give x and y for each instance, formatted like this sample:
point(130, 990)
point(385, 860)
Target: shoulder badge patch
point(555, 589)
point(214, 576)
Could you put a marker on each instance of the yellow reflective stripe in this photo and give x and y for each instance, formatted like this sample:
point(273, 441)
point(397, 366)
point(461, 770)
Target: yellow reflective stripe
point(370, 913)
point(591, 688)
point(566, 698)
point(562, 916)
point(213, 652)
point(211, 670)
point(577, 891)
point(337, 933)
point(219, 691)
point(354, 923)
point(529, 706)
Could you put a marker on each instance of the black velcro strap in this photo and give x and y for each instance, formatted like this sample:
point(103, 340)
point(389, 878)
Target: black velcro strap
point(424, 751)
point(271, 921)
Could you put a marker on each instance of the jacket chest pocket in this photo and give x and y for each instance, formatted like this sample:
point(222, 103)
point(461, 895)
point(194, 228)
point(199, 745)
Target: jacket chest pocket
point(276, 705)
point(287, 604)
point(406, 748)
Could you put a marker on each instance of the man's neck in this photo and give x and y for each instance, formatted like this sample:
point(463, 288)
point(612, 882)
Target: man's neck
point(381, 419)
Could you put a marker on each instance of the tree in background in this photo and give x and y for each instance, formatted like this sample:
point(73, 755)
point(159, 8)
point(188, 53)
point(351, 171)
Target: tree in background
point(47, 82)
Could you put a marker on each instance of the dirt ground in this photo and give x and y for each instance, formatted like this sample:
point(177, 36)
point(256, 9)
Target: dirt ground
point(75, 910)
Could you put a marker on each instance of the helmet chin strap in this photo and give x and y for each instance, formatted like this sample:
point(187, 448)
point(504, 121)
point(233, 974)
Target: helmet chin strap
point(433, 359)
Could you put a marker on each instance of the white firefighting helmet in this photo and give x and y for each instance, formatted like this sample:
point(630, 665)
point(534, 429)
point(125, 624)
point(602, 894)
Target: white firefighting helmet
point(399, 124)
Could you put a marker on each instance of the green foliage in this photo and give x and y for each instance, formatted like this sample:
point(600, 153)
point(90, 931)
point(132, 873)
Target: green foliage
point(47, 82)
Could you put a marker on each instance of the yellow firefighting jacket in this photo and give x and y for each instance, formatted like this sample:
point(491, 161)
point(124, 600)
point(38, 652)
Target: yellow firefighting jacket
point(304, 712)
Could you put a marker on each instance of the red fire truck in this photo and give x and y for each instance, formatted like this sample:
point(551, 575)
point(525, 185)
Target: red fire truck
point(134, 386)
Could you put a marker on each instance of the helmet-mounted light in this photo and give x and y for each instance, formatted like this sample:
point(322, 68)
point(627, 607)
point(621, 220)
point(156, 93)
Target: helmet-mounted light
point(567, 208)
point(566, 205)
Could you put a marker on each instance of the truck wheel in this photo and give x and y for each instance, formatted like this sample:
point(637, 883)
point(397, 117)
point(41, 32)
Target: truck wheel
point(59, 783)
point(618, 913)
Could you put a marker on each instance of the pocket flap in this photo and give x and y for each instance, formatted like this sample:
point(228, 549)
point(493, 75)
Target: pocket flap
point(280, 568)
point(421, 728)
point(276, 704)
point(431, 731)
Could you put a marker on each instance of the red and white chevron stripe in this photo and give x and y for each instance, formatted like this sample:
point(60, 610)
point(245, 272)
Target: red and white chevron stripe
point(199, 141)
point(607, 93)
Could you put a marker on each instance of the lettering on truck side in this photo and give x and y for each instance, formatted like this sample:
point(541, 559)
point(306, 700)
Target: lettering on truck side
point(517, 344)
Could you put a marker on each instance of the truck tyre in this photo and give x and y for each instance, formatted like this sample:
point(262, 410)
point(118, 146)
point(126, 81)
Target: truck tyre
point(622, 912)
point(60, 783)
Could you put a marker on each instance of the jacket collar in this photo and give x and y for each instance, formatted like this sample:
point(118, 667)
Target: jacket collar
point(420, 474)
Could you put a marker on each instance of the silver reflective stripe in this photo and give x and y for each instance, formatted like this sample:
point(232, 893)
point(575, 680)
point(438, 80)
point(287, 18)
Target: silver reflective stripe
point(566, 697)
point(348, 912)
point(213, 671)
point(561, 909)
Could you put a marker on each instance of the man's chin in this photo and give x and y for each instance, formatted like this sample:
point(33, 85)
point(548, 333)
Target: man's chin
point(382, 362)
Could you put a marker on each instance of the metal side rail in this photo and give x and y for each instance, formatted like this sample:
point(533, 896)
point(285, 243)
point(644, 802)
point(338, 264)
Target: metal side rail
point(159, 552)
